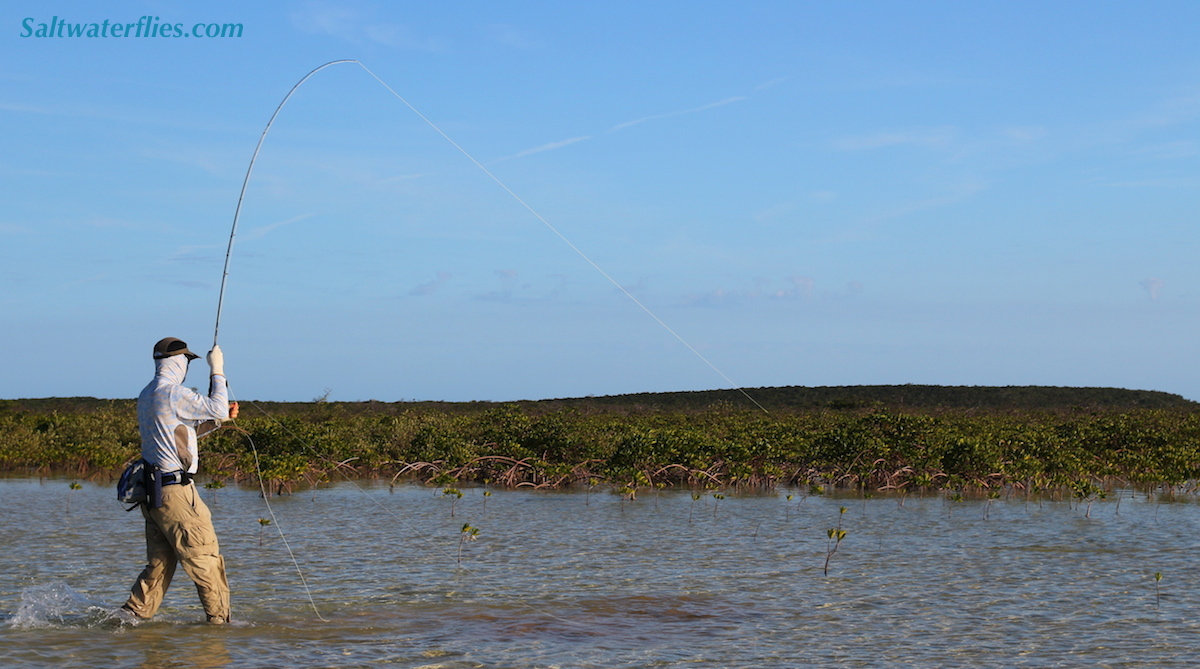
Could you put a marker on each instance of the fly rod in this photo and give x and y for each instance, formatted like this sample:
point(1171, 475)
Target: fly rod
point(237, 212)
point(245, 182)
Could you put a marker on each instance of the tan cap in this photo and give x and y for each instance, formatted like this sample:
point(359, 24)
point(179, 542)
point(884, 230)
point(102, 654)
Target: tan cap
point(170, 346)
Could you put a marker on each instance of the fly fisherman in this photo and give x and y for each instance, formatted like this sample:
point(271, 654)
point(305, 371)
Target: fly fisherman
point(179, 529)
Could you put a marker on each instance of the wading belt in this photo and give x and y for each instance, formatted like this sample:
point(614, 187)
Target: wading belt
point(180, 477)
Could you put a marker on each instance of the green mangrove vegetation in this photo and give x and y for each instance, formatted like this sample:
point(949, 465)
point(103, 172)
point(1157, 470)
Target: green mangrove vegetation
point(1079, 445)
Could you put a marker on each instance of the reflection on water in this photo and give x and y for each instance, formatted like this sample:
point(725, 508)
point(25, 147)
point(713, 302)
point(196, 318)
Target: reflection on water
point(564, 579)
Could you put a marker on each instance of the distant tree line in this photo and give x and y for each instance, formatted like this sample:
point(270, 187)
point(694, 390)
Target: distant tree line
point(893, 437)
point(786, 398)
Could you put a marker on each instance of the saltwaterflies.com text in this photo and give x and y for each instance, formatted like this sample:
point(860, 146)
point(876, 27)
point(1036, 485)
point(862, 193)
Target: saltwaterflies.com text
point(146, 26)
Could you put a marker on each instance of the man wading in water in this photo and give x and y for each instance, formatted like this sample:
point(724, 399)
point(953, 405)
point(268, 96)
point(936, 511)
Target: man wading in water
point(179, 528)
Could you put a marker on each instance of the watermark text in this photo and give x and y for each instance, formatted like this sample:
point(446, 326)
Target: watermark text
point(146, 27)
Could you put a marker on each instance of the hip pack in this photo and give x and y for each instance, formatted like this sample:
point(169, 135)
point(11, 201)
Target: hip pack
point(139, 484)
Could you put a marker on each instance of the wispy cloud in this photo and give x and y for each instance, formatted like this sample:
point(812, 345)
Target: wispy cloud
point(258, 233)
point(203, 253)
point(510, 36)
point(1164, 182)
point(431, 287)
point(910, 80)
point(621, 126)
point(796, 288)
point(403, 37)
point(26, 109)
point(1182, 108)
point(770, 84)
point(693, 110)
point(1025, 133)
point(111, 223)
point(318, 17)
point(515, 289)
point(508, 278)
point(930, 138)
point(193, 253)
point(354, 26)
point(553, 145)
point(106, 114)
point(204, 159)
point(802, 288)
point(545, 147)
point(1179, 149)
point(190, 284)
point(870, 225)
point(21, 172)
point(785, 210)
point(775, 212)
point(400, 177)
point(1153, 287)
point(95, 278)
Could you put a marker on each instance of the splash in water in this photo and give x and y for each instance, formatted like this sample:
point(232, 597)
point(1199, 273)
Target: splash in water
point(59, 605)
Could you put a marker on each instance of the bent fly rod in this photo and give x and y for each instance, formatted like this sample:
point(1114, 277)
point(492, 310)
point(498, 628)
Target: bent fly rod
point(237, 211)
point(233, 234)
point(246, 181)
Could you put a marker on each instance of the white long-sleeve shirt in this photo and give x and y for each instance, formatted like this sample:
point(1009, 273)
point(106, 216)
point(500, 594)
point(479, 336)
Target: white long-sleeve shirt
point(169, 413)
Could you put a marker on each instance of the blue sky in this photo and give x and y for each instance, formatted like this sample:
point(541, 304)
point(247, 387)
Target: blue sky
point(996, 193)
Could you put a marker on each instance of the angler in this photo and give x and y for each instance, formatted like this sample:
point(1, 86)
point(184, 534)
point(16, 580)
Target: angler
point(179, 527)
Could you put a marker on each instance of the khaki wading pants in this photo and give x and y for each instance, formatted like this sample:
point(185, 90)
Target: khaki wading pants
point(181, 531)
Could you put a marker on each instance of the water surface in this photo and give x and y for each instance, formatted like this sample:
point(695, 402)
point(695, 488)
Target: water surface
point(572, 579)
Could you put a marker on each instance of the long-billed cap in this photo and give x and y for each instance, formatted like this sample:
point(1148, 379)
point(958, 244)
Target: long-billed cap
point(170, 346)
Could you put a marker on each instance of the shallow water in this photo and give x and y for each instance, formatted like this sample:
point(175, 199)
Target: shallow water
point(571, 579)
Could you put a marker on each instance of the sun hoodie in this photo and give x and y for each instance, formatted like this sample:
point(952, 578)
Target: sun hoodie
point(169, 415)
